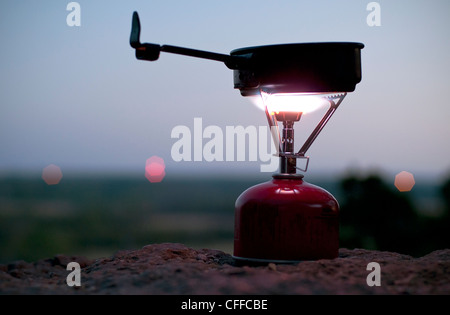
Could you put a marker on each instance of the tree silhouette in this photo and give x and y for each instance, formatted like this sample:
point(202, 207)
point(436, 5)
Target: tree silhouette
point(375, 216)
point(441, 232)
point(445, 192)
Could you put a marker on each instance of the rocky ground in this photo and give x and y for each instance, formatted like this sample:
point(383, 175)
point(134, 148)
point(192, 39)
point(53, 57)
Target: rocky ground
point(177, 269)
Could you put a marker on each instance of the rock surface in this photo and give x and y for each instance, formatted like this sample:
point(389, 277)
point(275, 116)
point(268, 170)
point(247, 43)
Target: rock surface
point(177, 269)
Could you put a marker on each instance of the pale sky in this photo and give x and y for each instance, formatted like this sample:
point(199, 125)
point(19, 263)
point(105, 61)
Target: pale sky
point(76, 97)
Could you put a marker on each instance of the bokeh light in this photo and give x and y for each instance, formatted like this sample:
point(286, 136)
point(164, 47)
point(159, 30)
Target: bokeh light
point(155, 169)
point(52, 174)
point(404, 181)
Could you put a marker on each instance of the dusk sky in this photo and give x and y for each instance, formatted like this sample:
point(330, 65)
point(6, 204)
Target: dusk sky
point(77, 97)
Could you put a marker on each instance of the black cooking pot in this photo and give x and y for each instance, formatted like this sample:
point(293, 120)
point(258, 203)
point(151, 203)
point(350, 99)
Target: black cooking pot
point(289, 68)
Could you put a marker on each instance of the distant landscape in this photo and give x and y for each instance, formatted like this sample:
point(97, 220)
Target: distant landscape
point(95, 216)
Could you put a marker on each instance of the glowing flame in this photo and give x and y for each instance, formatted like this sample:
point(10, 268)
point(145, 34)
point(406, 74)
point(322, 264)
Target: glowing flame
point(289, 102)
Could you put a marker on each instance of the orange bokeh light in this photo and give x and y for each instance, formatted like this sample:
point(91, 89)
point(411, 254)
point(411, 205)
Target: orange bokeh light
point(404, 181)
point(52, 174)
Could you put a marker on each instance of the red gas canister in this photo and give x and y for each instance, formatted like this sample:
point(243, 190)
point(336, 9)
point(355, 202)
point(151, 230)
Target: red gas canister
point(285, 220)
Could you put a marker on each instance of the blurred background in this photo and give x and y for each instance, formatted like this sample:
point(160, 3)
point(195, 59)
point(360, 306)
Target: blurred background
point(75, 97)
point(96, 217)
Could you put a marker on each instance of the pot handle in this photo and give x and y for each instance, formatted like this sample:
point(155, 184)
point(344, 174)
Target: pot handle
point(151, 52)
